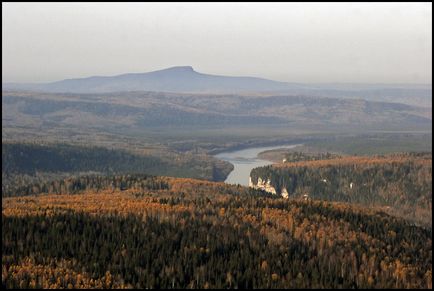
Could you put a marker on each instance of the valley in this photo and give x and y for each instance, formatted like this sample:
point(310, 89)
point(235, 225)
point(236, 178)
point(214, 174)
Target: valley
point(266, 145)
point(124, 190)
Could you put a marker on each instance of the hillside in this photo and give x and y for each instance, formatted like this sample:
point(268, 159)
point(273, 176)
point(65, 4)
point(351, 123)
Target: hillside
point(82, 116)
point(400, 183)
point(26, 164)
point(157, 232)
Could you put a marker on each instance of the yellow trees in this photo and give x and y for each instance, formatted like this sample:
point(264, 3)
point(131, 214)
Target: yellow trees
point(264, 266)
point(428, 277)
point(119, 240)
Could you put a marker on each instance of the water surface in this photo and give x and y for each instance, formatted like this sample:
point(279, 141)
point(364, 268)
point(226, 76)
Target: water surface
point(245, 160)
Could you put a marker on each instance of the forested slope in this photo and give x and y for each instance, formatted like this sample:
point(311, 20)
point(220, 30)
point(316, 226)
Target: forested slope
point(25, 164)
point(401, 183)
point(156, 232)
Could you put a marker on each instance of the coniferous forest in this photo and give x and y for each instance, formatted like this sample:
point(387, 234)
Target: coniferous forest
point(25, 164)
point(400, 183)
point(139, 231)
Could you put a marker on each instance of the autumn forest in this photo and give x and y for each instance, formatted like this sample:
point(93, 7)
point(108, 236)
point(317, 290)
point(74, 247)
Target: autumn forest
point(155, 232)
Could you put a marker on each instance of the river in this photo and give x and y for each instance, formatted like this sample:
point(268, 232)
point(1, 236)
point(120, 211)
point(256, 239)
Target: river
point(245, 160)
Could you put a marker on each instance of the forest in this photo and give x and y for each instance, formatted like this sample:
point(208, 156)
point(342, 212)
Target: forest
point(300, 156)
point(400, 183)
point(25, 164)
point(141, 231)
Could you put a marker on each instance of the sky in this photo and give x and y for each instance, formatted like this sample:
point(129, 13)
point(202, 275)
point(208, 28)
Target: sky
point(291, 42)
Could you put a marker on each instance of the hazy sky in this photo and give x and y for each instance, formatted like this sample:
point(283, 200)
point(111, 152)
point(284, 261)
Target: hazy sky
point(295, 42)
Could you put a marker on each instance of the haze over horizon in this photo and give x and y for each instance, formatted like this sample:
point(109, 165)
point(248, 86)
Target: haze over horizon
point(377, 43)
point(218, 75)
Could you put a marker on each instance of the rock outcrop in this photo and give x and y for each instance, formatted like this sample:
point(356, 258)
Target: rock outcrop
point(266, 186)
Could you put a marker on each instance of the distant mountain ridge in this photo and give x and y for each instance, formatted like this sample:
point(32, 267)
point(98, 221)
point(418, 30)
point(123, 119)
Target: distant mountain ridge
point(184, 79)
point(174, 79)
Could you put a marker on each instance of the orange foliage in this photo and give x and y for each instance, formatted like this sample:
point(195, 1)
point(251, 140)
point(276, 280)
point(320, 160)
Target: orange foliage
point(103, 202)
point(44, 276)
point(358, 160)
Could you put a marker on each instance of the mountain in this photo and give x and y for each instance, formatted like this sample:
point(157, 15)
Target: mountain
point(185, 79)
point(175, 79)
